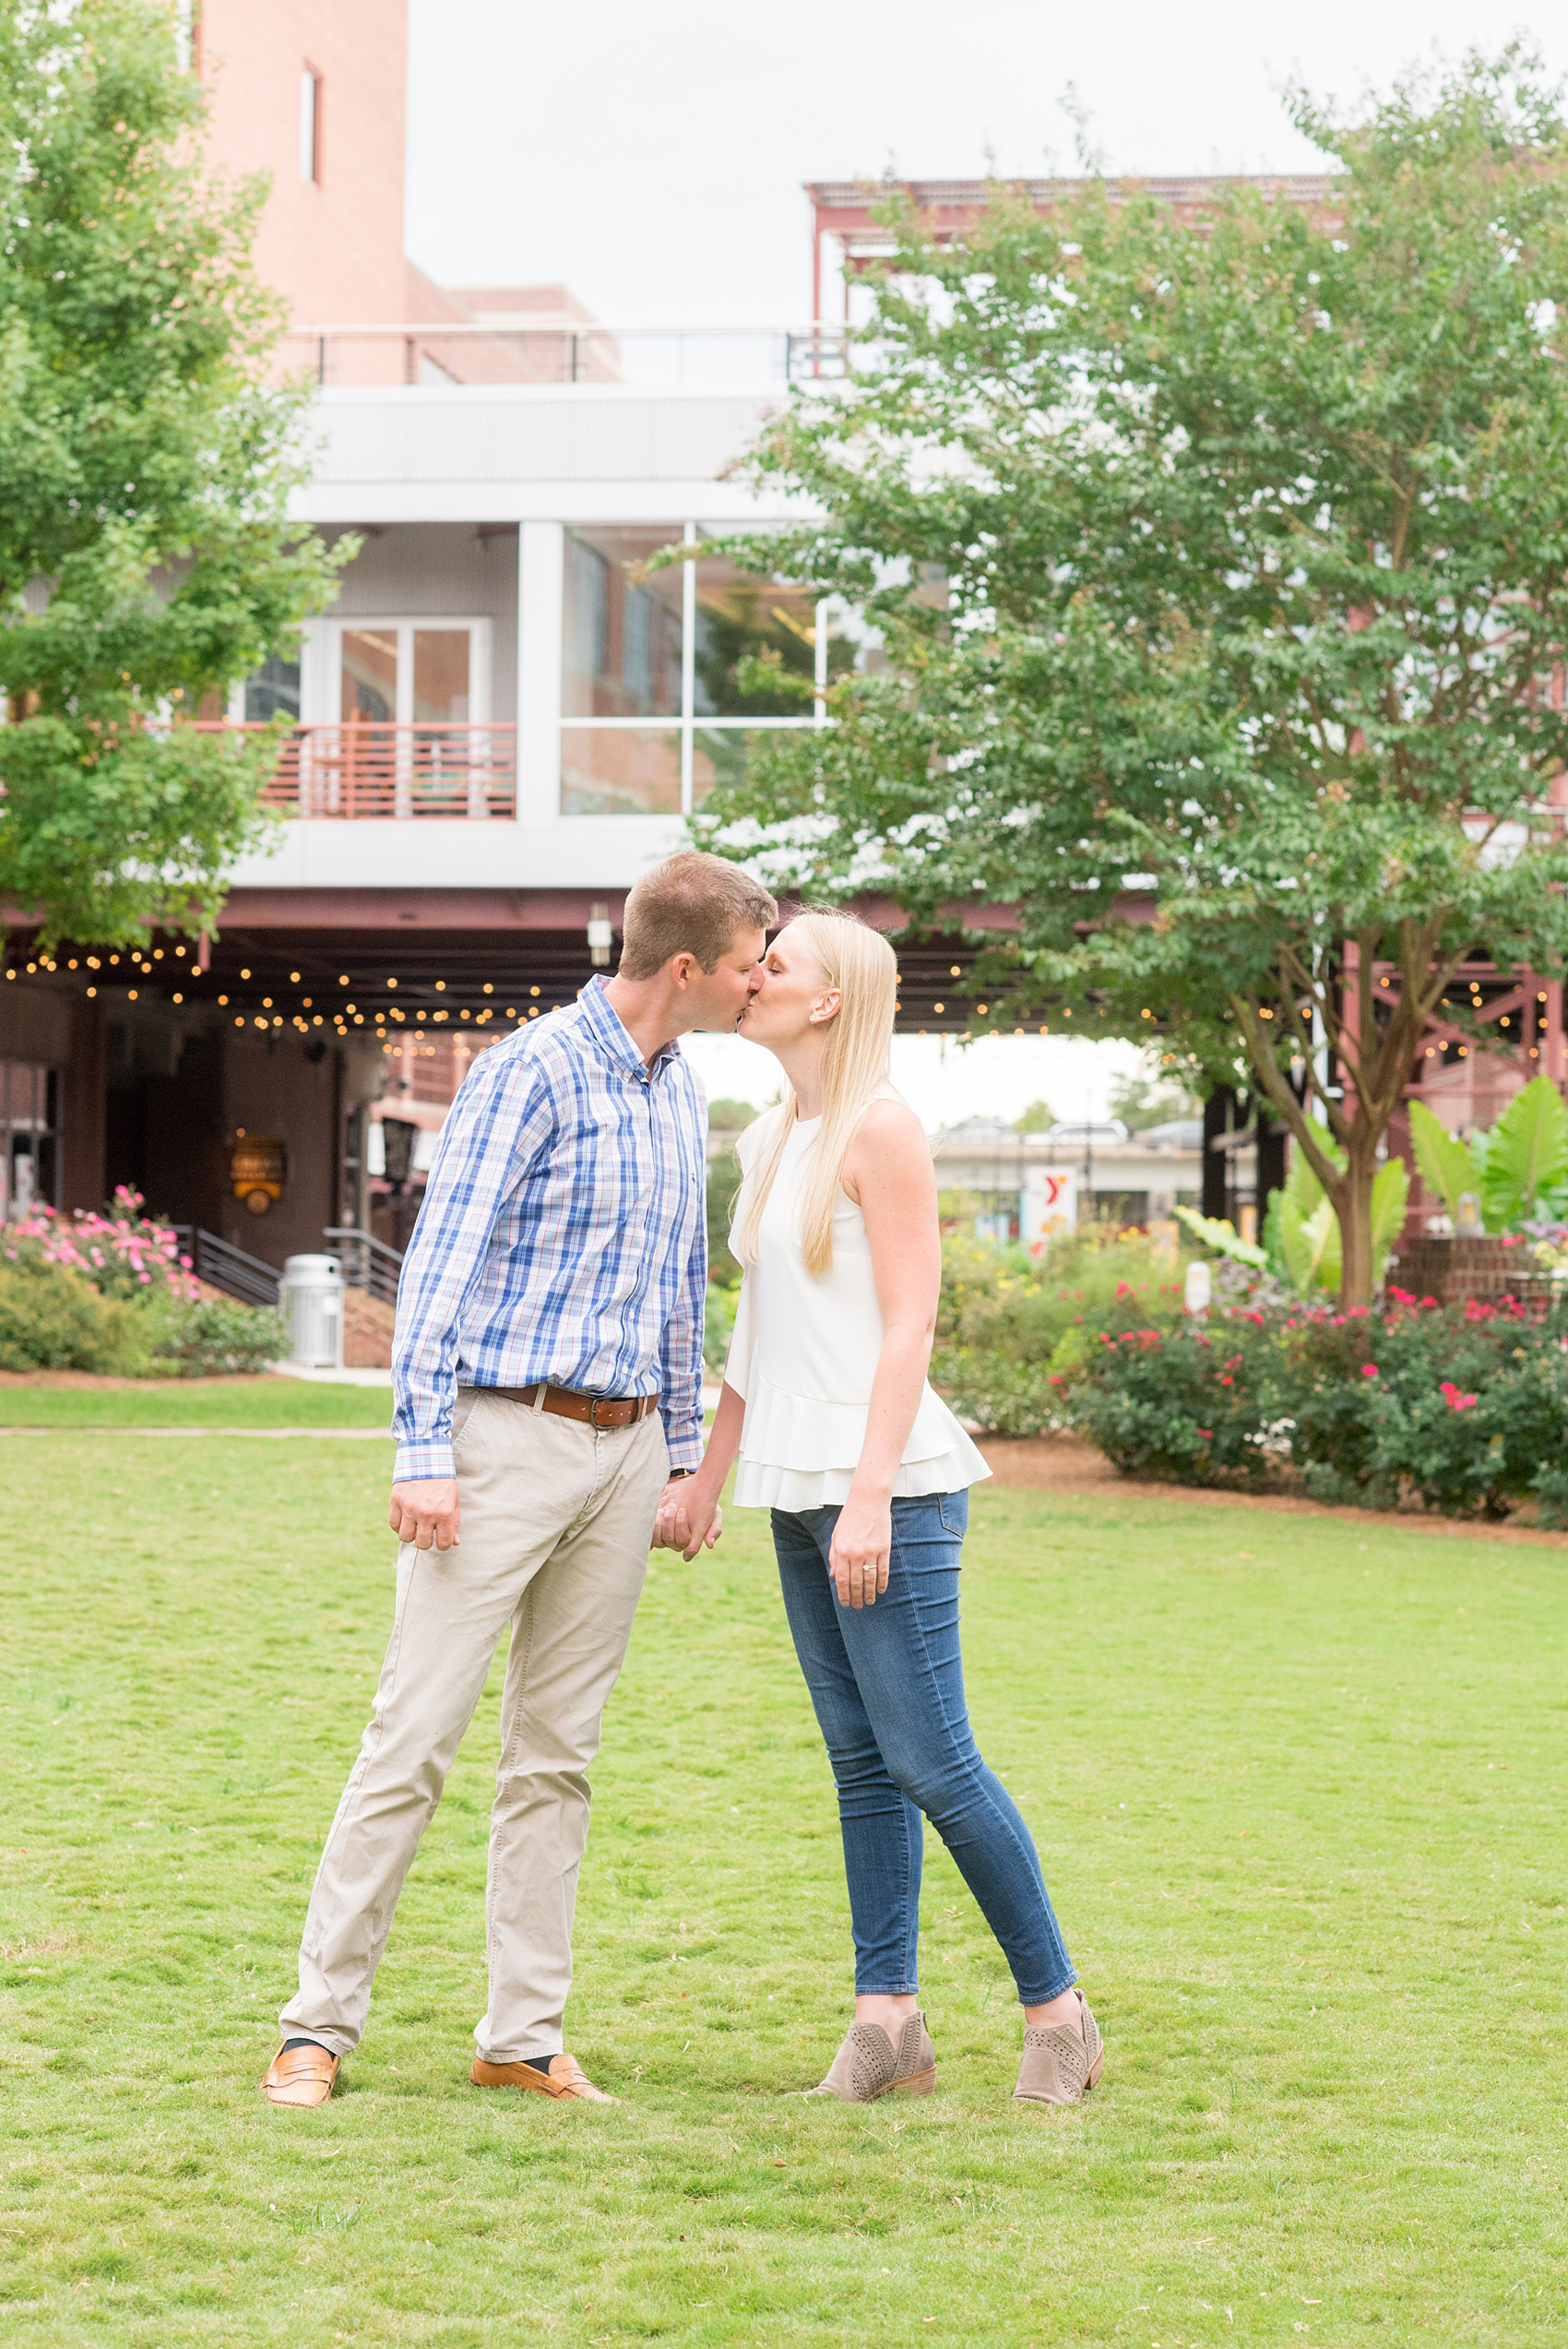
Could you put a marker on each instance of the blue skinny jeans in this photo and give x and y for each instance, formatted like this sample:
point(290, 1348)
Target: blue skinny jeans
point(887, 1682)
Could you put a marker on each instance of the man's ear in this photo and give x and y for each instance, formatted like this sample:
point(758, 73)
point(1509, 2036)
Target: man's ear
point(681, 970)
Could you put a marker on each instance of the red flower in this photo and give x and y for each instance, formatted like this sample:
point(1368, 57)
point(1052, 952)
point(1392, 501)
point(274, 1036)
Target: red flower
point(1369, 1370)
point(1207, 1433)
point(1455, 1399)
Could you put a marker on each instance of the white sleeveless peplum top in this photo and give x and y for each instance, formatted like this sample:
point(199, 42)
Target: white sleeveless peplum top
point(804, 1354)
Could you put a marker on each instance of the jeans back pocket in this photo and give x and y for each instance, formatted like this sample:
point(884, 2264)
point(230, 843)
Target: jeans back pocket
point(954, 1510)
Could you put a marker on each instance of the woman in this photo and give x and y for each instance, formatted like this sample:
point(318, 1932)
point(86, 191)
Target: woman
point(827, 1406)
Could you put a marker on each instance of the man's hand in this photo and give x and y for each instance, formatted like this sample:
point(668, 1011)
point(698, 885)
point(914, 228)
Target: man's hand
point(688, 1517)
point(862, 1550)
point(423, 1510)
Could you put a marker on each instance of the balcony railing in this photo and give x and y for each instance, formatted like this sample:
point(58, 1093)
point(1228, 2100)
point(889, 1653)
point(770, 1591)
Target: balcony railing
point(567, 351)
point(365, 771)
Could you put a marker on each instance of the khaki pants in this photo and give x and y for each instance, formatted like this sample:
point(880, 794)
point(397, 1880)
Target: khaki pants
point(556, 1519)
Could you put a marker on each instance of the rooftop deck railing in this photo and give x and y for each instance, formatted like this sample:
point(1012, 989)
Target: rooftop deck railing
point(361, 769)
point(567, 351)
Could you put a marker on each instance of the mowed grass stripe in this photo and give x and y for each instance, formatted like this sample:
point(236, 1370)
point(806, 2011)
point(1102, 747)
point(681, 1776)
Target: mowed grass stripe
point(1297, 1786)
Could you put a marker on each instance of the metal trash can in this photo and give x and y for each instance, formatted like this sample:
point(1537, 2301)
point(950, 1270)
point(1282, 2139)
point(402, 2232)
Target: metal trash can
point(310, 1298)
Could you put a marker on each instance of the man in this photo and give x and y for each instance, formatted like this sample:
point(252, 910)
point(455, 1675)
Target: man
point(548, 1378)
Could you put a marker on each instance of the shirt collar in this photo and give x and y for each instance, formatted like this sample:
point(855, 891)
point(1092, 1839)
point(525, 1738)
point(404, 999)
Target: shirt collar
point(609, 1031)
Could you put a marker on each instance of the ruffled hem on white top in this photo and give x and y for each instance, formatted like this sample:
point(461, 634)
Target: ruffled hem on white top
point(800, 1452)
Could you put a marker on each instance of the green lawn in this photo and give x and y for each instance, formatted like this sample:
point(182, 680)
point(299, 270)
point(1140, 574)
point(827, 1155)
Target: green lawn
point(1300, 1787)
point(198, 1403)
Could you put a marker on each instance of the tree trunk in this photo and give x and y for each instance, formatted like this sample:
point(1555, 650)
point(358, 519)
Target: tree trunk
point(1352, 1204)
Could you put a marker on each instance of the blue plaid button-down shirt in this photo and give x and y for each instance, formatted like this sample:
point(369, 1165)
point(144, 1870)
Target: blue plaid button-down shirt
point(563, 1234)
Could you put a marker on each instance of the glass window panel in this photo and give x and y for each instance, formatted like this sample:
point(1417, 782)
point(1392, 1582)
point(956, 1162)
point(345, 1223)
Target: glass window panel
point(620, 771)
point(441, 677)
point(621, 639)
point(273, 692)
point(740, 615)
point(853, 642)
point(370, 675)
point(726, 754)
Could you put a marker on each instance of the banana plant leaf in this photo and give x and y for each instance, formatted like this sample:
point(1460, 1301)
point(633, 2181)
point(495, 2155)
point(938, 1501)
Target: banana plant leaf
point(1526, 1155)
point(1312, 1244)
point(1220, 1233)
point(1390, 1195)
point(1308, 1229)
point(1448, 1166)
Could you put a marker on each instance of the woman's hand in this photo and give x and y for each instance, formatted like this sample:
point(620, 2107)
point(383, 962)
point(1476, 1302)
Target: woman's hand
point(861, 1548)
point(689, 1517)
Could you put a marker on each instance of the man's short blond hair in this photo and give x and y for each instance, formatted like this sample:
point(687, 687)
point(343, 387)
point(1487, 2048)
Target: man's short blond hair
point(690, 904)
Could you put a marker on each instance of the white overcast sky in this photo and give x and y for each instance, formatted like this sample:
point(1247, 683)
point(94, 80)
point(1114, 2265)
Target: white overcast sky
point(652, 156)
point(652, 159)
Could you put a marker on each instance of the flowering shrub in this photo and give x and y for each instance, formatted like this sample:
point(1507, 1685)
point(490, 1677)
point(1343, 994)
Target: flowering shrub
point(120, 1255)
point(1463, 1410)
point(1010, 1325)
point(112, 1293)
point(51, 1320)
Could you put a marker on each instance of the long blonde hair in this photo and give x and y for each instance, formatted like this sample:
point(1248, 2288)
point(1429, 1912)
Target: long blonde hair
point(860, 964)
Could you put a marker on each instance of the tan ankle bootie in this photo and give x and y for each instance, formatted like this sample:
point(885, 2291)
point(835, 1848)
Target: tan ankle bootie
point(1061, 2061)
point(868, 2063)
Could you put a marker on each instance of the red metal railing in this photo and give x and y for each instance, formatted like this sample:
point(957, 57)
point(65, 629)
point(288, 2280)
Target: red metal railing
point(360, 771)
point(367, 770)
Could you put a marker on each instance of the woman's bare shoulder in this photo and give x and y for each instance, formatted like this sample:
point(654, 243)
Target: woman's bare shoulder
point(889, 1119)
point(888, 1133)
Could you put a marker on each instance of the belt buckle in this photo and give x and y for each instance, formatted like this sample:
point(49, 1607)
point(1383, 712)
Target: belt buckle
point(594, 1402)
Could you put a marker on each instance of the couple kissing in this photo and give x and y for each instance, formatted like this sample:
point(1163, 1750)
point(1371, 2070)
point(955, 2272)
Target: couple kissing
point(549, 1421)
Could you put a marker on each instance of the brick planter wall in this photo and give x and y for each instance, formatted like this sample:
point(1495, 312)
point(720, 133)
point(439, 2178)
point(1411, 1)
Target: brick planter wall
point(1469, 1265)
point(367, 1331)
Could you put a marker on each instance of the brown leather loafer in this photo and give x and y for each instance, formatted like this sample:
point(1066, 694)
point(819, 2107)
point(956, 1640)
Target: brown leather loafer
point(301, 2076)
point(564, 2078)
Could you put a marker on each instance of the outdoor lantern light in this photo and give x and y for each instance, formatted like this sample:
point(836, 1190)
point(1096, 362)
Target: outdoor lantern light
point(599, 936)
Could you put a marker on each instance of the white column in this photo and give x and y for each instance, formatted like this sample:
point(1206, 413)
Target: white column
point(541, 555)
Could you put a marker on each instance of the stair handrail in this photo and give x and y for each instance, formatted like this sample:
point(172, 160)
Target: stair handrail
point(223, 1265)
point(368, 1263)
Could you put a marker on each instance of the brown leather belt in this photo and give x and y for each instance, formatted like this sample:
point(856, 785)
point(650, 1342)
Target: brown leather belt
point(594, 1411)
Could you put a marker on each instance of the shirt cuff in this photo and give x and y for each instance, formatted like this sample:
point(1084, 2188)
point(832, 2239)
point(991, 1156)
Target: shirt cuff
point(429, 1458)
point(685, 1451)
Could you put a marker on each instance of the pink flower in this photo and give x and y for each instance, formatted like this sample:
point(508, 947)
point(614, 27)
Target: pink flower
point(1455, 1399)
point(1369, 1370)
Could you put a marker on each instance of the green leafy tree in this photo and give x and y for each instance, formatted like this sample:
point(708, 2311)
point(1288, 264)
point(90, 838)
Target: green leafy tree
point(1144, 1100)
point(728, 1116)
point(1255, 537)
point(1038, 1119)
point(145, 557)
